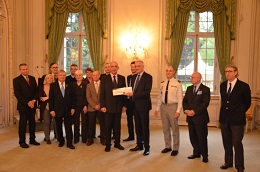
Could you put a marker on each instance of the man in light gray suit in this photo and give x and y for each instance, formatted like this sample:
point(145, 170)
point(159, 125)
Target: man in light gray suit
point(93, 97)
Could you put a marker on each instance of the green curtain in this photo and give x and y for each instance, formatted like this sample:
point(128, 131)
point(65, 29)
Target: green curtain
point(94, 14)
point(179, 35)
point(224, 16)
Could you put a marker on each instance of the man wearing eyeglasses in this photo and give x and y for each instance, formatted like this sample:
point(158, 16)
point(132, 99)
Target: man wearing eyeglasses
point(54, 69)
point(235, 101)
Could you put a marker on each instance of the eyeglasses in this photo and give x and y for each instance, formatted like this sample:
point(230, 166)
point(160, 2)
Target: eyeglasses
point(229, 71)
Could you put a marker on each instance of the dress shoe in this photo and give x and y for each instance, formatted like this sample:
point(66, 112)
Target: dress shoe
point(61, 144)
point(174, 153)
point(120, 147)
point(48, 142)
point(71, 147)
point(24, 145)
point(128, 139)
point(205, 159)
point(193, 156)
point(165, 150)
point(103, 142)
point(240, 170)
point(76, 141)
point(34, 143)
point(226, 166)
point(90, 142)
point(107, 149)
point(146, 152)
point(136, 148)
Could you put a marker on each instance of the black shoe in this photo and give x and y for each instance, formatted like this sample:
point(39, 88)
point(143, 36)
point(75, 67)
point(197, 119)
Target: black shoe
point(240, 170)
point(165, 150)
point(120, 147)
point(34, 143)
point(128, 139)
point(61, 144)
point(24, 145)
point(193, 156)
point(226, 166)
point(174, 153)
point(205, 159)
point(136, 149)
point(76, 141)
point(107, 149)
point(71, 147)
point(146, 152)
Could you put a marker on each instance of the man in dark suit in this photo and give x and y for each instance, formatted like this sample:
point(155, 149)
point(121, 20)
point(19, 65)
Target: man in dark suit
point(54, 69)
point(129, 111)
point(142, 85)
point(26, 92)
point(235, 101)
point(106, 69)
point(195, 103)
point(111, 105)
point(62, 108)
point(71, 78)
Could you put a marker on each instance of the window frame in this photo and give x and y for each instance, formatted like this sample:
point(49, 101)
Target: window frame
point(196, 35)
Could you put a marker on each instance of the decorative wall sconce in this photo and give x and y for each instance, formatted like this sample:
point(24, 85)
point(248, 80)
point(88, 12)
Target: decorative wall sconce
point(135, 45)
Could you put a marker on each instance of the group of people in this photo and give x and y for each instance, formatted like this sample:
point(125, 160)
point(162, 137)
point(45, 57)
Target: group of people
point(72, 98)
point(235, 101)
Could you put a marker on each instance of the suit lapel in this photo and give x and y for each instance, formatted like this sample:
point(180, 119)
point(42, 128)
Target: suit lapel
point(234, 89)
point(141, 80)
point(58, 88)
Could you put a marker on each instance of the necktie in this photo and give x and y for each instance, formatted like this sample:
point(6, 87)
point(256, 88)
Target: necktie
point(96, 86)
point(114, 81)
point(62, 89)
point(166, 93)
point(194, 90)
point(27, 80)
point(136, 82)
point(130, 78)
point(229, 89)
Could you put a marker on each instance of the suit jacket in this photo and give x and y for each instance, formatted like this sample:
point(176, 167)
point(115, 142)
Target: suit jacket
point(80, 98)
point(61, 105)
point(234, 107)
point(142, 92)
point(197, 102)
point(25, 92)
point(70, 79)
point(113, 104)
point(92, 96)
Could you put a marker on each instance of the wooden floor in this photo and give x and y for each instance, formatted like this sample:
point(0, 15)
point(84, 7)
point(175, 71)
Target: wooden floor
point(93, 158)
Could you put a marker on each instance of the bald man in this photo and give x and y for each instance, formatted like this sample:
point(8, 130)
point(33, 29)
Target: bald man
point(195, 103)
point(111, 105)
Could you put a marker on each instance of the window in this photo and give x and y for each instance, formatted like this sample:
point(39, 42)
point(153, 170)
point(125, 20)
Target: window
point(75, 46)
point(199, 51)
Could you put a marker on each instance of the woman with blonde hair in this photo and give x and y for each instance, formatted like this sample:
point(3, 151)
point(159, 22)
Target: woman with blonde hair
point(44, 107)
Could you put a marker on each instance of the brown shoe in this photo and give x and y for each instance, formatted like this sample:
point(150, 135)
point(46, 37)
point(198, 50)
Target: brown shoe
point(90, 142)
point(48, 142)
point(103, 142)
